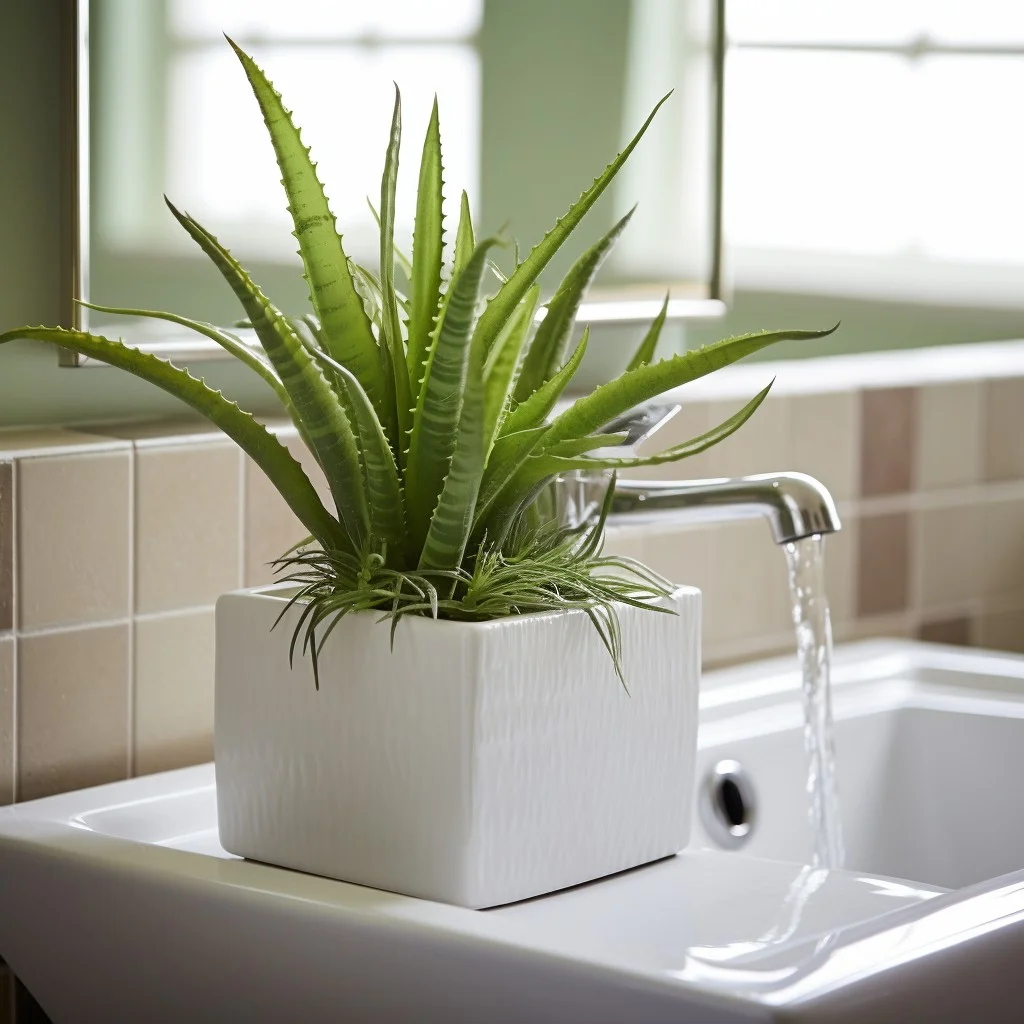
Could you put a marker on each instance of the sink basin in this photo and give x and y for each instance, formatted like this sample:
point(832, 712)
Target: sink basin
point(929, 751)
point(118, 903)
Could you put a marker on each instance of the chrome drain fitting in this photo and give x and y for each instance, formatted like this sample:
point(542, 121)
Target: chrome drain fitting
point(728, 805)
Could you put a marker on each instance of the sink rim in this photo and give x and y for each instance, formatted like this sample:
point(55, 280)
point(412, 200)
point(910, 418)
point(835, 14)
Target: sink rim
point(860, 952)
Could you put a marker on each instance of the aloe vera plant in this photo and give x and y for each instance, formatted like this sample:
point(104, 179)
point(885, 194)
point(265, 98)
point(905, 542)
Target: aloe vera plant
point(429, 409)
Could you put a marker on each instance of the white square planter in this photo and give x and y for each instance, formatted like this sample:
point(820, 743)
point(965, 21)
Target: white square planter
point(475, 763)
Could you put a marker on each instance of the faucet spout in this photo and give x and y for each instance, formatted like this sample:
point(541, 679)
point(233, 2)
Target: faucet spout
point(795, 505)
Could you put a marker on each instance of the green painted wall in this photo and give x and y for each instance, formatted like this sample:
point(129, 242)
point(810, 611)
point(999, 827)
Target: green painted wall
point(34, 390)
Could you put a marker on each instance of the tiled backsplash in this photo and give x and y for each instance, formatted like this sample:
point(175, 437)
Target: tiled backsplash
point(116, 542)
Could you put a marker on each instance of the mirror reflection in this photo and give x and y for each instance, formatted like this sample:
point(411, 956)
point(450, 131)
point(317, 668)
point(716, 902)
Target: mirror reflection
point(533, 96)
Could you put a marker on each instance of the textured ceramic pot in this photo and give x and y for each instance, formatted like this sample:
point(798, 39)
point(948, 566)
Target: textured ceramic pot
point(475, 763)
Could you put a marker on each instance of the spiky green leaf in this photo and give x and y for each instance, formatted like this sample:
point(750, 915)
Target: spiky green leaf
point(251, 436)
point(326, 425)
point(391, 328)
point(535, 410)
point(635, 387)
point(547, 352)
point(561, 457)
point(383, 485)
point(227, 341)
point(503, 361)
point(646, 349)
point(452, 521)
point(427, 251)
point(500, 308)
point(338, 307)
point(439, 408)
point(465, 240)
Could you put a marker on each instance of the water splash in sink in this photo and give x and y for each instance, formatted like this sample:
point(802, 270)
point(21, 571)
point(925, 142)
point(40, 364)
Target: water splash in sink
point(806, 559)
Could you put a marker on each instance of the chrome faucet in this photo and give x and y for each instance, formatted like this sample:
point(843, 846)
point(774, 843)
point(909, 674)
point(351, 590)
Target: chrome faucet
point(795, 505)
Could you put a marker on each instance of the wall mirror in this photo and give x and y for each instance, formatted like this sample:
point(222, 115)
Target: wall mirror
point(535, 97)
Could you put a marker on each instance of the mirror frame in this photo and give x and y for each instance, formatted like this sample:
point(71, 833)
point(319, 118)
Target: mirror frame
point(74, 84)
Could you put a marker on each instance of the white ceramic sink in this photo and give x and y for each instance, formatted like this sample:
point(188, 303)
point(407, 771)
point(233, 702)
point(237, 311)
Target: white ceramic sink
point(929, 749)
point(118, 904)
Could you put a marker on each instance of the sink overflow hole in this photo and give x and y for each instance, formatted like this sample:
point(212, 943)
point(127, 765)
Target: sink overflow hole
point(731, 804)
point(728, 805)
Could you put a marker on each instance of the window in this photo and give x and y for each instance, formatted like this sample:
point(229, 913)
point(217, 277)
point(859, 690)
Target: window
point(334, 66)
point(873, 147)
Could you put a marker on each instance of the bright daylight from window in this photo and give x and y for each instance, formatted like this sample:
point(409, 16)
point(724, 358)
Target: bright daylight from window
point(874, 147)
point(340, 79)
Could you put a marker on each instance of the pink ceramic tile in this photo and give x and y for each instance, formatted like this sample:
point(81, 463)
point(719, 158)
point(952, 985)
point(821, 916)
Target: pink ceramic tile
point(6, 545)
point(6, 719)
point(888, 427)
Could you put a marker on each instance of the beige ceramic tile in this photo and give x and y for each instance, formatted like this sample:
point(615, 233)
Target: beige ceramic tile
point(6, 545)
point(624, 540)
point(192, 429)
point(187, 521)
point(883, 564)
point(685, 556)
point(946, 556)
point(1004, 429)
point(899, 624)
point(6, 719)
point(691, 421)
point(270, 526)
point(953, 630)
point(73, 538)
point(888, 426)
point(174, 662)
point(22, 441)
point(748, 594)
point(841, 554)
point(824, 440)
point(72, 709)
point(1002, 630)
point(949, 435)
point(999, 528)
point(761, 445)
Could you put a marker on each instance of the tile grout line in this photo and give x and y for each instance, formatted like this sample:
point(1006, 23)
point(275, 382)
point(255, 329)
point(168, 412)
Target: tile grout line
point(132, 563)
point(15, 640)
point(243, 510)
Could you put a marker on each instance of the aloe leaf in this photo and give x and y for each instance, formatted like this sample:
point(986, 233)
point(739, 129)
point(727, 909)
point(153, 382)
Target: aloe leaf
point(548, 349)
point(228, 341)
point(646, 349)
point(572, 446)
point(368, 290)
point(251, 436)
point(384, 489)
point(465, 241)
point(338, 307)
point(535, 410)
point(391, 328)
point(452, 521)
point(550, 463)
point(501, 306)
point(439, 408)
point(368, 280)
point(316, 404)
point(507, 457)
point(503, 363)
point(400, 258)
point(635, 387)
point(427, 250)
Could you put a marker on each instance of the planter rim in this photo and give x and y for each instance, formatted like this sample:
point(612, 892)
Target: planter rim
point(280, 592)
